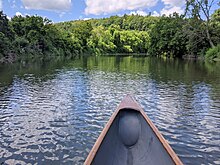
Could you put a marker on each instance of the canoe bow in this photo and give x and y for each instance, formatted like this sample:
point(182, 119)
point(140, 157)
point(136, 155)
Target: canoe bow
point(129, 102)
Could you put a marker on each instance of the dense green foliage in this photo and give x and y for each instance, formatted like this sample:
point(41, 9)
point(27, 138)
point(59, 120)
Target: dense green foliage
point(113, 39)
point(202, 28)
point(126, 34)
point(172, 36)
point(32, 36)
point(213, 53)
point(167, 37)
point(127, 22)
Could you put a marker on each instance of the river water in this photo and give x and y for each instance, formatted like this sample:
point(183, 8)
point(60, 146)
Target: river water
point(53, 112)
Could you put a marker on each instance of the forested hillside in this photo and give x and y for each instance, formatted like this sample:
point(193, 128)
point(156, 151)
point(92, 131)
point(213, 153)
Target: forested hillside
point(126, 34)
point(172, 36)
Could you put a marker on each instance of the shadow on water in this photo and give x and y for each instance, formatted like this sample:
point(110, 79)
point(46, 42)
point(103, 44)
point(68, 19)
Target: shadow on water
point(52, 112)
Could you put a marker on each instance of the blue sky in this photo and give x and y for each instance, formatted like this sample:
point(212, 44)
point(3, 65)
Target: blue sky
point(65, 10)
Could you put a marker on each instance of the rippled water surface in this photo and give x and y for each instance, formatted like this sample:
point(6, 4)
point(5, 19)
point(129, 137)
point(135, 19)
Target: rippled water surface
point(53, 112)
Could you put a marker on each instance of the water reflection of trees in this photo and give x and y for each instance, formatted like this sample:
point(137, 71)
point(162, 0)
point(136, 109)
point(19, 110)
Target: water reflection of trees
point(75, 101)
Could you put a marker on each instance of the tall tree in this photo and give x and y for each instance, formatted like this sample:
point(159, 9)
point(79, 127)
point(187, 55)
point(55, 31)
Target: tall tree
point(200, 10)
point(5, 26)
point(167, 37)
point(215, 26)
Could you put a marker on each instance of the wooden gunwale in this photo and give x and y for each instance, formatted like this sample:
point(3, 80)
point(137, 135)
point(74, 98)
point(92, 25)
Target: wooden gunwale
point(130, 103)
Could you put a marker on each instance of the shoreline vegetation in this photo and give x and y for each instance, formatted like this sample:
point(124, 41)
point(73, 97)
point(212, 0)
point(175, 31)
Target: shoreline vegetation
point(174, 36)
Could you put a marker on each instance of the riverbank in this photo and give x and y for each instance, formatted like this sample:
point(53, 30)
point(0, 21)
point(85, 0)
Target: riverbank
point(154, 36)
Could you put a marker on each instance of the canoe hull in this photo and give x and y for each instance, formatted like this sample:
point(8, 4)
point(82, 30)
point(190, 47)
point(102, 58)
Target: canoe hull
point(131, 138)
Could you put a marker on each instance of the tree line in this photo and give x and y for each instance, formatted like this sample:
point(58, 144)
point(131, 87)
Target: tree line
point(32, 36)
point(195, 33)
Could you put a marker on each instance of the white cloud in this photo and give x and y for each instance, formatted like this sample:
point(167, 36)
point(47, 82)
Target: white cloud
point(26, 14)
point(18, 14)
point(98, 7)
point(13, 4)
point(172, 6)
point(61, 14)
point(172, 10)
point(155, 14)
point(178, 3)
point(85, 19)
point(139, 12)
point(55, 5)
point(0, 4)
point(9, 18)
